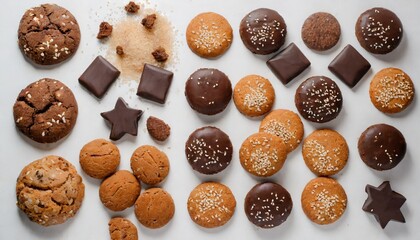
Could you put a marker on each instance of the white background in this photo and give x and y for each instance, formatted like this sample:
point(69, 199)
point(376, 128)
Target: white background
point(358, 113)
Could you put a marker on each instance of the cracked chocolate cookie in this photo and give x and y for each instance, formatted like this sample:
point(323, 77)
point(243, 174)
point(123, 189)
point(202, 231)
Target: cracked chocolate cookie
point(49, 190)
point(48, 34)
point(45, 111)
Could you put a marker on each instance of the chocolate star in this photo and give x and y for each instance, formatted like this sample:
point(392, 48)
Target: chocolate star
point(123, 119)
point(384, 203)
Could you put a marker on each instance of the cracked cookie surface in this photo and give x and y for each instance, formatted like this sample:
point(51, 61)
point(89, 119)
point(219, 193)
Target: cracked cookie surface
point(149, 164)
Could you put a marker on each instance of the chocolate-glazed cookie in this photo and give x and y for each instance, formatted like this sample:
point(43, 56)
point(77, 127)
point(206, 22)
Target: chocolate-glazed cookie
point(208, 91)
point(318, 99)
point(379, 30)
point(382, 147)
point(48, 34)
point(268, 205)
point(208, 150)
point(263, 31)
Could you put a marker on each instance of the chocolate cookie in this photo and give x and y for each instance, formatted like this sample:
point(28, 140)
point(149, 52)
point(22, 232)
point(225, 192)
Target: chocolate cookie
point(149, 165)
point(45, 111)
point(48, 34)
point(318, 99)
point(263, 31)
point(379, 30)
point(208, 91)
point(268, 205)
point(158, 129)
point(122, 229)
point(321, 31)
point(382, 147)
point(208, 150)
point(154, 208)
point(49, 190)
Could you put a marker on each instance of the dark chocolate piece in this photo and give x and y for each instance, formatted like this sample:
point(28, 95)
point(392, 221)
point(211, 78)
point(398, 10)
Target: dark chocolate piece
point(122, 119)
point(349, 66)
point(384, 203)
point(154, 83)
point(105, 30)
point(382, 147)
point(288, 63)
point(208, 150)
point(99, 76)
point(268, 205)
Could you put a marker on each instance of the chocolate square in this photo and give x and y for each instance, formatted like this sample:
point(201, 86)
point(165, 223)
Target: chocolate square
point(288, 63)
point(349, 66)
point(99, 76)
point(154, 83)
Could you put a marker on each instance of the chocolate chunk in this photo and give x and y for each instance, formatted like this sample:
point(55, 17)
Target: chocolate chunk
point(158, 129)
point(119, 50)
point(154, 83)
point(160, 54)
point(132, 7)
point(105, 30)
point(288, 63)
point(122, 119)
point(349, 66)
point(99, 76)
point(149, 21)
point(384, 203)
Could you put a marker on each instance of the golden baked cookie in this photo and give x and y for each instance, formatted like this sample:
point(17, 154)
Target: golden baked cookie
point(263, 154)
point(49, 190)
point(99, 158)
point(209, 35)
point(154, 208)
point(286, 125)
point(391, 90)
point(325, 152)
point(211, 204)
point(323, 200)
point(149, 164)
point(119, 191)
point(122, 229)
point(253, 95)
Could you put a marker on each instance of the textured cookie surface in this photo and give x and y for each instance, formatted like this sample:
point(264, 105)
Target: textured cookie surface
point(122, 229)
point(149, 164)
point(158, 129)
point(49, 190)
point(321, 31)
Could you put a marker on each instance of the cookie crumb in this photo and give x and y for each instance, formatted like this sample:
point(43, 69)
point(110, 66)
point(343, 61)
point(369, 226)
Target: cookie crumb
point(105, 30)
point(158, 129)
point(132, 7)
point(149, 21)
point(119, 50)
point(160, 54)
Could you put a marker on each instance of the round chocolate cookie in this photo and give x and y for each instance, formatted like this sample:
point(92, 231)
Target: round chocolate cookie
point(208, 150)
point(321, 31)
point(379, 30)
point(48, 34)
point(263, 31)
point(382, 147)
point(45, 111)
point(268, 205)
point(318, 99)
point(208, 91)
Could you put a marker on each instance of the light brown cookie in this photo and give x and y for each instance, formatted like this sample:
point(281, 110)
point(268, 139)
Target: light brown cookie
point(209, 35)
point(49, 190)
point(323, 200)
point(253, 95)
point(99, 158)
point(325, 152)
point(263, 154)
point(154, 208)
point(149, 164)
point(391, 90)
point(211, 204)
point(122, 229)
point(119, 191)
point(286, 125)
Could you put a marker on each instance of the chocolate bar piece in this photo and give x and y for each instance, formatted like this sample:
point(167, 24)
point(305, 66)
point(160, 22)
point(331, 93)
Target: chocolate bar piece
point(154, 83)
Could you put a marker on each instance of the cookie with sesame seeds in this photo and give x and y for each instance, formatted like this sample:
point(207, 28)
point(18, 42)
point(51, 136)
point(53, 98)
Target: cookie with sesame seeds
point(253, 95)
point(48, 34)
point(284, 124)
point(268, 205)
point(382, 147)
point(391, 90)
point(379, 30)
point(323, 200)
point(45, 111)
point(325, 152)
point(149, 164)
point(209, 35)
point(263, 154)
point(211, 204)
